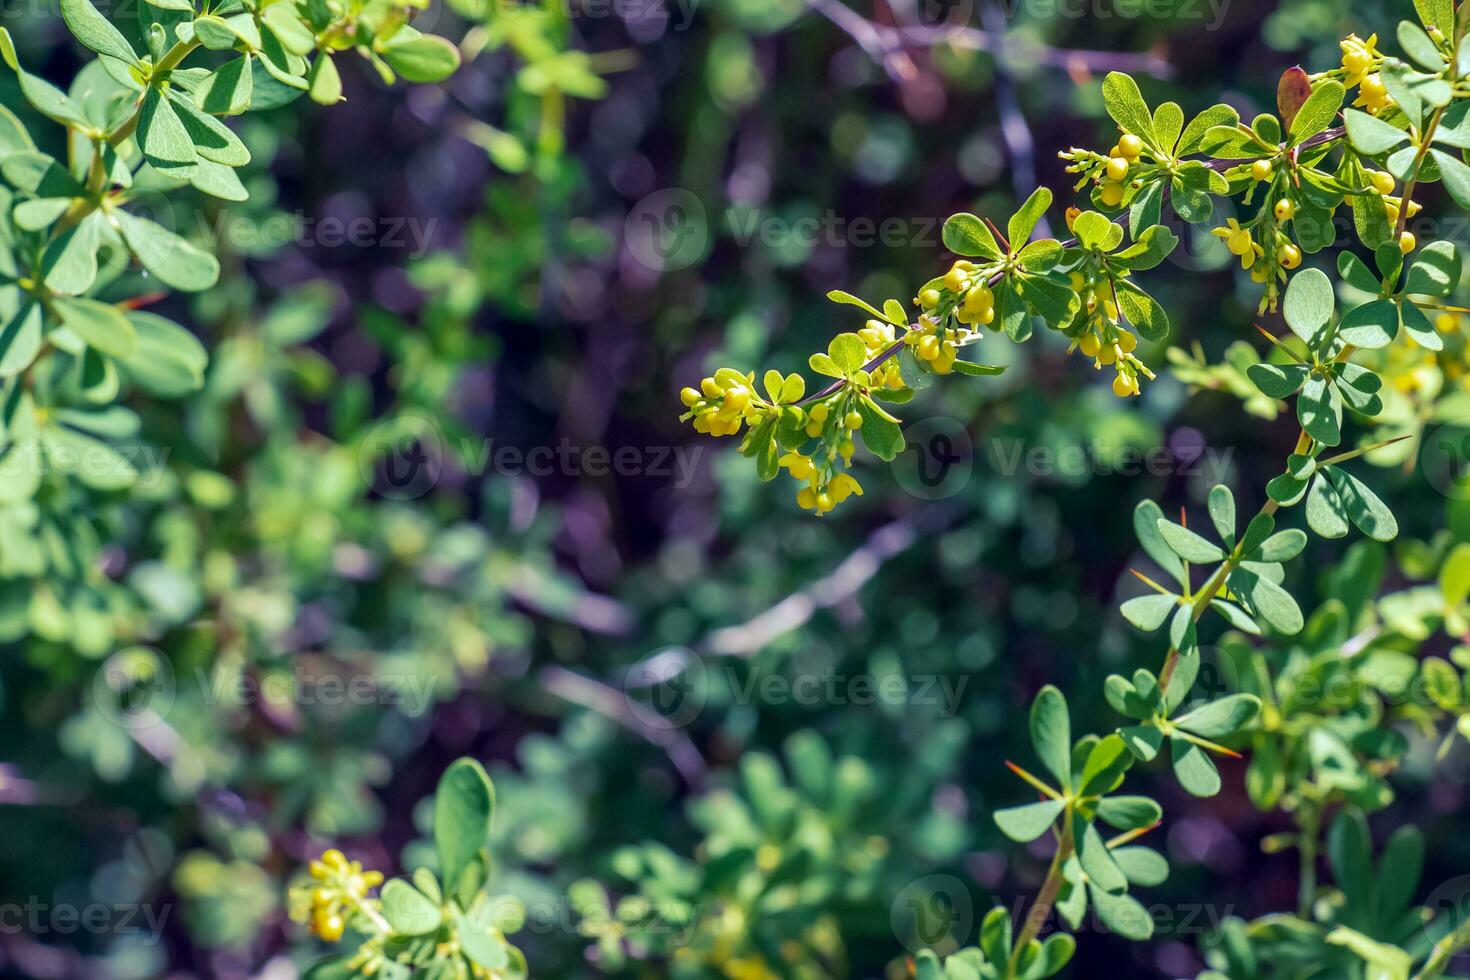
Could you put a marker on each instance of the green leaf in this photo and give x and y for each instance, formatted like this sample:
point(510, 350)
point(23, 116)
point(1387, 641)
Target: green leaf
point(1056, 953)
point(1282, 546)
point(13, 135)
point(218, 181)
point(848, 299)
point(212, 139)
point(1051, 733)
point(1194, 134)
point(1023, 222)
point(1221, 717)
point(176, 261)
point(407, 910)
point(1148, 612)
point(1143, 312)
point(1278, 380)
point(167, 360)
point(20, 340)
point(1352, 270)
point(227, 90)
point(479, 945)
point(420, 57)
point(1269, 601)
point(1319, 409)
point(1436, 272)
point(295, 36)
point(1370, 135)
point(1150, 249)
point(1026, 823)
point(324, 81)
point(881, 435)
point(978, 370)
point(1363, 507)
point(101, 326)
point(89, 460)
point(1388, 962)
point(224, 33)
point(1124, 102)
point(463, 807)
point(1454, 576)
point(1309, 304)
point(96, 31)
point(1146, 517)
point(1142, 866)
point(966, 234)
point(1437, 13)
point(46, 98)
point(1419, 47)
point(1128, 812)
point(1221, 504)
point(1371, 325)
point(1325, 512)
point(1455, 176)
point(69, 266)
point(847, 352)
point(1318, 112)
point(1417, 325)
point(1188, 545)
point(1096, 860)
point(1193, 768)
point(1123, 914)
point(1142, 740)
point(163, 139)
point(1041, 255)
point(1105, 766)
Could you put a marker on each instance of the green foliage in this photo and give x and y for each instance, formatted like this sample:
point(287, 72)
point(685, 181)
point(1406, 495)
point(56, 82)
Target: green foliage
point(1297, 171)
point(439, 925)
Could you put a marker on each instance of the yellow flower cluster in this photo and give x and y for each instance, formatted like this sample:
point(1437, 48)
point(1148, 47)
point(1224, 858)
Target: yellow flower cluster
point(1360, 63)
point(1106, 341)
point(823, 489)
point(1268, 251)
point(340, 888)
point(723, 402)
point(931, 344)
point(968, 296)
point(1109, 172)
point(877, 337)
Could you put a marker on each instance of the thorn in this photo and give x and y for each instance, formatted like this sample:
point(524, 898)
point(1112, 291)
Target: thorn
point(996, 231)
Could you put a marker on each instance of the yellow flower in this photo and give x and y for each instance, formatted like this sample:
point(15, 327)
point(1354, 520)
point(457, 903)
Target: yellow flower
point(1372, 94)
point(843, 486)
point(1358, 57)
point(799, 466)
point(1240, 242)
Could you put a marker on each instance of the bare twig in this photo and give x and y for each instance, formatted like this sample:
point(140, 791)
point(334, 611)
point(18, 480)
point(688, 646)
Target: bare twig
point(614, 705)
point(889, 45)
point(792, 612)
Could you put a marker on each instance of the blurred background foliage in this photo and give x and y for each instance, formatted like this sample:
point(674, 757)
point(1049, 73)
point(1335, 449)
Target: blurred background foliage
point(505, 297)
